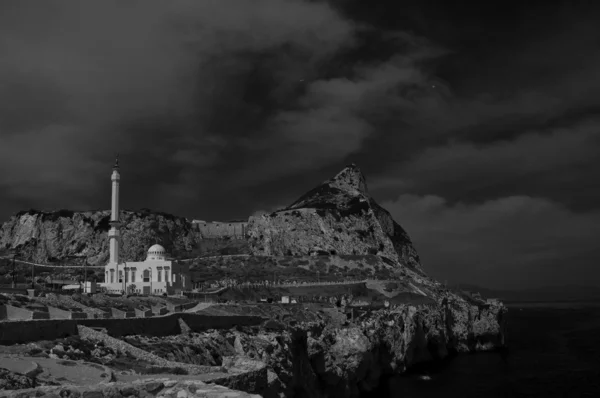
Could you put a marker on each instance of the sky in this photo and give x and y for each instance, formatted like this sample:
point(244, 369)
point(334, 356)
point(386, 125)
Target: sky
point(476, 124)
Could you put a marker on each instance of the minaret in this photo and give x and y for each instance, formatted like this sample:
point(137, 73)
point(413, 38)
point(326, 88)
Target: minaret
point(113, 234)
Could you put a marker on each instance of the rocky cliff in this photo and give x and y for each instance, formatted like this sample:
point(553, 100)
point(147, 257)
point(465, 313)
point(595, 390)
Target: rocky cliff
point(45, 237)
point(337, 217)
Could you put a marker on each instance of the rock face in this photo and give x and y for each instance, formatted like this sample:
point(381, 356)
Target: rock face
point(337, 217)
point(327, 359)
point(46, 237)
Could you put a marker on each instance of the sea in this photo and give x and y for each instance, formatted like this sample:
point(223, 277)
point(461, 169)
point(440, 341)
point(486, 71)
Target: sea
point(554, 352)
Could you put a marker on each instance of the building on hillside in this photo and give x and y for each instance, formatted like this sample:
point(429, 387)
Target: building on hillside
point(155, 275)
point(85, 287)
point(235, 229)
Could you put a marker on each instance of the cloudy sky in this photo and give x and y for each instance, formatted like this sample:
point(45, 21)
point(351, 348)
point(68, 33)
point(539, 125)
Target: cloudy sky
point(477, 126)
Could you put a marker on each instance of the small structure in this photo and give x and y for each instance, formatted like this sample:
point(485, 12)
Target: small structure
point(120, 313)
point(159, 310)
point(285, 299)
point(90, 287)
point(103, 314)
point(143, 312)
point(59, 313)
point(72, 288)
point(12, 312)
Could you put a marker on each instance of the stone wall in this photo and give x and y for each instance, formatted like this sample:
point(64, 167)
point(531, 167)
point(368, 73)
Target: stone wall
point(156, 326)
point(172, 307)
point(35, 330)
point(199, 322)
point(26, 331)
point(13, 290)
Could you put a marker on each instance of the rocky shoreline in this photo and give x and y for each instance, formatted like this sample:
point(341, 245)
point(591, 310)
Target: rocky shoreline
point(327, 355)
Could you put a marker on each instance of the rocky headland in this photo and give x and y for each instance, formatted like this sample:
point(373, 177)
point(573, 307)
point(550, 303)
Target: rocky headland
point(339, 350)
point(339, 218)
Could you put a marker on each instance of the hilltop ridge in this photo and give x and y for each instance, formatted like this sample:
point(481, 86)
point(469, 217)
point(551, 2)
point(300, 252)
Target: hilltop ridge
point(337, 217)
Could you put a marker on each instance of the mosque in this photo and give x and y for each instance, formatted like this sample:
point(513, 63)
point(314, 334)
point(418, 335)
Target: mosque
point(155, 275)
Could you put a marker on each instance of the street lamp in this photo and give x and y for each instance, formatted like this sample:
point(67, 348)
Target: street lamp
point(14, 254)
point(85, 289)
point(125, 278)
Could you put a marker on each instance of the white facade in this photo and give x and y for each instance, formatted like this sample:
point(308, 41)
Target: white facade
point(155, 275)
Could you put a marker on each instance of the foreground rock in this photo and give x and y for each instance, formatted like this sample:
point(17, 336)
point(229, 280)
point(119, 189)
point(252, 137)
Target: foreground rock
point(160, 387)
point(15, 381)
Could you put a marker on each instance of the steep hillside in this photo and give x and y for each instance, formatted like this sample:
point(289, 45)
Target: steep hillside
point(338, 217)
point(47, 237)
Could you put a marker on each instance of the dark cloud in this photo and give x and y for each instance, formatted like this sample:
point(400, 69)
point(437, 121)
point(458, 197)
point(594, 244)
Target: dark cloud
point(560, 163)
point(510, 242)
point(223, 108)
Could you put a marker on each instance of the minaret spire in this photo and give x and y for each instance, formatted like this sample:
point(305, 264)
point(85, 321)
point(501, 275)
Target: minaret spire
point(113, 233)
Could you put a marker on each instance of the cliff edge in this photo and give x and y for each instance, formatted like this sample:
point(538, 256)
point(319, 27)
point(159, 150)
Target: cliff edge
point(46, 237)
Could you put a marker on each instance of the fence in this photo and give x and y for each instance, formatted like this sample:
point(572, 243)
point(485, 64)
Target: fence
point(200, 294)
point(51, 265)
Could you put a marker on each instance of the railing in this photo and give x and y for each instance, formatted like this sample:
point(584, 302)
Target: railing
point(218, 256)
point(52, 266)
point(288, 284)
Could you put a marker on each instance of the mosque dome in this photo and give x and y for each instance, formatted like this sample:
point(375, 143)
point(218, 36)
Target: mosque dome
point(156, 252)
point(156, 249)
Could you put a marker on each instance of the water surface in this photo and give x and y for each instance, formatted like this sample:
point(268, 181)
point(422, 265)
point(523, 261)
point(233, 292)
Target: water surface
point(554, 352)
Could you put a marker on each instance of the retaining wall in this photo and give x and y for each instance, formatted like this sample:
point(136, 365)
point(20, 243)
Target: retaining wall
point(172, 307)
point(13, 290)
point(35, 330)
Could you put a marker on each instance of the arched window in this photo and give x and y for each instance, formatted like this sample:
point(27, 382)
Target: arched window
point(146, 275)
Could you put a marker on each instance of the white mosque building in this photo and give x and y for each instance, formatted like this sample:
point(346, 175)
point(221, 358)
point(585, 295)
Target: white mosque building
point(155, 275)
